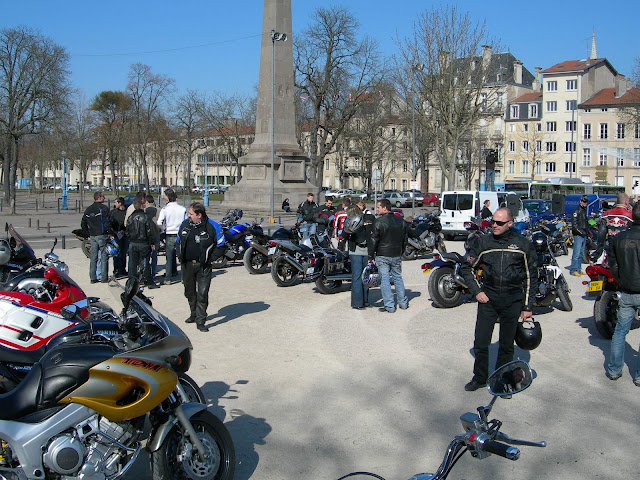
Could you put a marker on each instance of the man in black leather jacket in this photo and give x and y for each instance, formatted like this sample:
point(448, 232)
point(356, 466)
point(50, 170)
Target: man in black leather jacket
point(96, 221)
point(579, 227)
point(142, 238)
point(509, 282)
point(624, 261)
point(388, 241)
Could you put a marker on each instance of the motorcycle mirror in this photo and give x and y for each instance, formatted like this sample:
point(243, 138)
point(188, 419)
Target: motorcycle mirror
point(55, 242)
point(74, 310)
point(513, 377)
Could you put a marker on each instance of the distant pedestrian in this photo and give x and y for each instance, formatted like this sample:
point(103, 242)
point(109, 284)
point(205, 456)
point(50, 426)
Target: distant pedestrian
point(141, 235)
point(624, 262)
point(357, 242)
point(285, 205)
point(170, 218)
point(152, 212)
point(116, 216)
point(387, 242)
point(96, 221)
point(579, 227)
point(486, 213)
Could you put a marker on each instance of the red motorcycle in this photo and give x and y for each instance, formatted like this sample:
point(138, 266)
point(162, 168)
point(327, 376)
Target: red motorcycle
point(605, 308)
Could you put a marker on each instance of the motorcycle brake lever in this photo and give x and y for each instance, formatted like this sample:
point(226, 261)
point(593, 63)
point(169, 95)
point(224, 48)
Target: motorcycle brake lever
point(503, 437)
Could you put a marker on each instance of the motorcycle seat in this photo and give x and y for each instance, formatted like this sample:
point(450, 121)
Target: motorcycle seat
point(23, 399)
point(11, 355)
point(455, 256)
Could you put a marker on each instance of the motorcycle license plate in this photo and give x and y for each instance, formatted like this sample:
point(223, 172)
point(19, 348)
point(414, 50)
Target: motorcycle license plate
point(310, 270)
point(272, 250)
point(595, 286)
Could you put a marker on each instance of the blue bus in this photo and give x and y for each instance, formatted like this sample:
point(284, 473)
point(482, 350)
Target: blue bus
point(544, 190)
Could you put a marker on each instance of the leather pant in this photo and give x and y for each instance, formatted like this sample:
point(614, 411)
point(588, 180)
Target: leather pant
point(196, 279)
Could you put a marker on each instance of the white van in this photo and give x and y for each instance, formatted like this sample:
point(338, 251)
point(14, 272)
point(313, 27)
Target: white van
point(460, 206)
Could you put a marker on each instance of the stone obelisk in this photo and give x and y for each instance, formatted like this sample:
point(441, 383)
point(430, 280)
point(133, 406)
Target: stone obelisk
point(290, 162)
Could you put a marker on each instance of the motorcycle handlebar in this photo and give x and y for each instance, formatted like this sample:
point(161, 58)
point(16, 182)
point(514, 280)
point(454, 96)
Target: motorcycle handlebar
point(501, 449)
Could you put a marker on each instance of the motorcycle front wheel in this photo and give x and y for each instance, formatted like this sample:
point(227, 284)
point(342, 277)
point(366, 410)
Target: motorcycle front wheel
point(283, 273)
point(177, 457)
point(563, 295)
point(192, 389)
point(327, 287)
point(409, 253)
point(605, 314)
point(445, 293)
point(255, 262)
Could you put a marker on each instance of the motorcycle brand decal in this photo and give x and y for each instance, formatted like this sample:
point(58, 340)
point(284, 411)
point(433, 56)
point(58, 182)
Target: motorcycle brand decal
point(135, 362)
point(11, 299)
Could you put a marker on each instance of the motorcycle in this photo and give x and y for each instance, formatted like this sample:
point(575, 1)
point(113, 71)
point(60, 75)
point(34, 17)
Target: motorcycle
point(308, 260)
point(259, 254)
point(85, 242)
point(81, 410)
point(424, 237)
point(482, 437)
point(551, 281)
point(236, 236)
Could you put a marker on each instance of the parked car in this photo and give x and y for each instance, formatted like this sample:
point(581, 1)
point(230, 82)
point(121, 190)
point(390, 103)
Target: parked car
point(197, 189)
point(339, 193)
point(359, 195)
point(399, 199)
point(415, 194)
point(431, 199)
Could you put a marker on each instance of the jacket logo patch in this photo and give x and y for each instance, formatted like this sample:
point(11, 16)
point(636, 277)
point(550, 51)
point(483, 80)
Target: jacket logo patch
point(513, 246)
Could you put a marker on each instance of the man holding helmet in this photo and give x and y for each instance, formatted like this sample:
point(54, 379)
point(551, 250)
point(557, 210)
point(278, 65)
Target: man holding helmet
point(509, 270)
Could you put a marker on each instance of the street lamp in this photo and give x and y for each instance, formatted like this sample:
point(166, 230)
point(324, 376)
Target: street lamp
point(275, 37)
point(65, 183)
point(206, 183)
point(414, 67)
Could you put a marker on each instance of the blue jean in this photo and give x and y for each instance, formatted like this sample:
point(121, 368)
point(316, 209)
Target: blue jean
point(170, 250)
point(627, 306)
point(120, 260)
point(578, 252)
point(359, 293)
point(391, 267)
point(490, 180)
point(98, 244)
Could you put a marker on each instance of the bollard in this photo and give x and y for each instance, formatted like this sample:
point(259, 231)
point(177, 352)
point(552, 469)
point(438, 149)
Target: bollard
point(77, 206)
point(48, 227)
point(29, 222)
point(64, 242)
point(36, 204)
point(38, 223)
point(58, 205)
point(1, 204)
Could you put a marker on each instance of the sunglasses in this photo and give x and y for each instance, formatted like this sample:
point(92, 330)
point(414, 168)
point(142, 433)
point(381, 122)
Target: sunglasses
point(499, 223)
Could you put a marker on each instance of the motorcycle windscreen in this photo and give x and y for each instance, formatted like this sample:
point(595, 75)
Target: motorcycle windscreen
point(26, 252)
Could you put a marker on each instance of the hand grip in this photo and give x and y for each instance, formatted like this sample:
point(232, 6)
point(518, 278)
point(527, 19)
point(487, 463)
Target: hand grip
point(502, 449)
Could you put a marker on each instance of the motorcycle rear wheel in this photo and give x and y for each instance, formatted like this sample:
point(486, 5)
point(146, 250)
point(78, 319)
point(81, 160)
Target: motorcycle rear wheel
point(221, 262)
point(605, 314)
point(85, 246)
point(255, 262)
point(409, 253)
point(563, 295)
point(328, 287)
point(169, 461)
point(442, 288)
point(283, 273)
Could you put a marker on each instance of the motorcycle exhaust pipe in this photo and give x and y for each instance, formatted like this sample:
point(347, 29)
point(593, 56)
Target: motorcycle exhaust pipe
point(460, 281)
point(259, 248)
point(293, 262)
point(414, 243)
point(341, 276)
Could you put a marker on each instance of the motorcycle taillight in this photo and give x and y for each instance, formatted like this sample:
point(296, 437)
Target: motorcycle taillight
point(425, 266)
point(312, 261)
point(273, 244)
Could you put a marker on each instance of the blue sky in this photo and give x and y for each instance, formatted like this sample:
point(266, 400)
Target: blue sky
point(214, 45)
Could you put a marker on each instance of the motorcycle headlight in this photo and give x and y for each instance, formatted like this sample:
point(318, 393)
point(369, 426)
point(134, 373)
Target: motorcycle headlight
point(63, 267)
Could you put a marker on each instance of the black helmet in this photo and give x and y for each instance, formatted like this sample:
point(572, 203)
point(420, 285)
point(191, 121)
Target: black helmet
point(528, 334)
point(5, 252)
point(353, 223)
point(539, 240)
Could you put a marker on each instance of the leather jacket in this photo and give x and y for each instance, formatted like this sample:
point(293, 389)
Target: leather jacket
point(324, 218)
point(209, 238)
point(624, 258)
point(388, 236)
point(579, 224)
point(509, 265)
point(139, 229)
point(307, 209)
point(96, 220)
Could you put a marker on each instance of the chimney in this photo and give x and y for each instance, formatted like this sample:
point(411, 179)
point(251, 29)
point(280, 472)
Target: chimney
point(517, 72)
point(622, 85)
point(537, 81)
point(486, 56)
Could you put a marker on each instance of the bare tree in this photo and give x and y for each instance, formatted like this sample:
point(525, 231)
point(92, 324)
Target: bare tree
point(33, 90)
point(450, 80)
point(333, 70)
point(148, 92)
point(189, 126)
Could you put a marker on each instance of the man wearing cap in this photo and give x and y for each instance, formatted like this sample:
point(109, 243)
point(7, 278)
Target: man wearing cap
point(579, 228)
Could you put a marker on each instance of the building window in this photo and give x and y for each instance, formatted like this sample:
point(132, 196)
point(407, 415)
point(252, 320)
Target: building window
point(604, 130)
point(511, 166)
point(538, 145)
point(604, 109)
point(586, 131)
point(538, 127)
point(525, 145)
point(512, 127)
point(569, 146)
point(620, 157)
point(636, 130)
point(572, 84)
point(525, 127)
point(326, 164)
point(393, 132)
point(569, 167)
point(404, 184)
point(552, 86)
point(512, 145)
point(515, 111)
point(356, 163)
point(620, 130)
point(552, 106)
point(550, 167)
point(533, 110)
point(499, 101)
point(393, 165)
point(524, 167)
point(636, 157)
point(551, 147)
point(572, 105)
point(405, 168)
point(537, 167)
point(569, 126)
point(602, 159)
point(586, 157)
point(483, 101)
point(551, 126)
point(587, 110)
point(393, 184)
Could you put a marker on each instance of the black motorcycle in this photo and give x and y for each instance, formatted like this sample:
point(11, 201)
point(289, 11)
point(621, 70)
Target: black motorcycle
point(551, 282)
point(424, 237)
point(260, 253)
